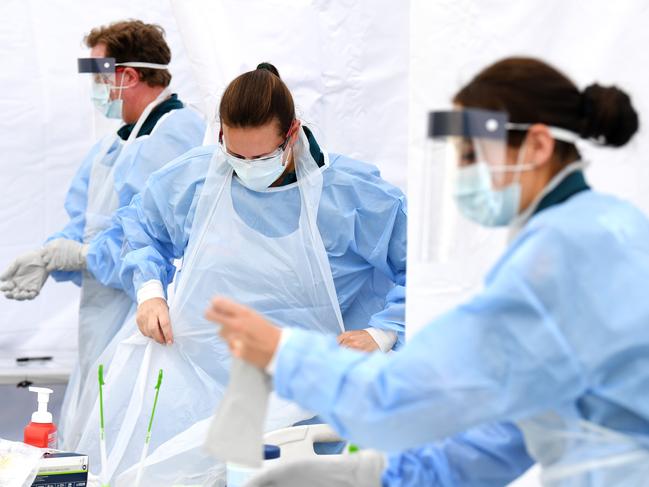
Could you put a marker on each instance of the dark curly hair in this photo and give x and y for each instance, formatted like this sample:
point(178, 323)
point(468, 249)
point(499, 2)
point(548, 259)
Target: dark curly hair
point(133, 40)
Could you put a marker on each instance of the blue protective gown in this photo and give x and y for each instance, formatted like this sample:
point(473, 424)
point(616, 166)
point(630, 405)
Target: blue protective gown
point(362, 221)
point(486, 456)
point(560, 327)
point(176, 132)
point(361, 217)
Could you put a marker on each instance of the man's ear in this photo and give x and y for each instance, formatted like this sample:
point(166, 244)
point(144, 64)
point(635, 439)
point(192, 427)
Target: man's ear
point(130, 77)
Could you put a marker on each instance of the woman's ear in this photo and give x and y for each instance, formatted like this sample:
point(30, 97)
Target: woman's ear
point(294, 131)
point(539, 144)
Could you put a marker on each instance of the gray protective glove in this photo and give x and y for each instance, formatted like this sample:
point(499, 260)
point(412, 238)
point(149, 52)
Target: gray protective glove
point(63, 254)
point(24, 277)
point(362, 469)
point(236, 433)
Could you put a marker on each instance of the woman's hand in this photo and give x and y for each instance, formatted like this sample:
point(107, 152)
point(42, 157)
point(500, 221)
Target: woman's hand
point(249, 335)
point(358, 340)
point(153, 320)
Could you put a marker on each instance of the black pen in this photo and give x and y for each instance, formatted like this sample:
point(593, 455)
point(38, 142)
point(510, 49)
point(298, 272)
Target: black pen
point(32, 359)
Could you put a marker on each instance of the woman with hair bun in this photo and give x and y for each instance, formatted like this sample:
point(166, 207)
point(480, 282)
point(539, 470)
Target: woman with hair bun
point(310, 239)
point(557, 341)
point(358, 230)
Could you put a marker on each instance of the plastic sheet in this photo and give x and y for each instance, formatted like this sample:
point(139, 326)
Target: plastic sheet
point(18, 463)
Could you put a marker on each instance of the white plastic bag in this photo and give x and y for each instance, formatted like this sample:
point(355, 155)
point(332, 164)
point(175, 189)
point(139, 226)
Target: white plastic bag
point(18, 463)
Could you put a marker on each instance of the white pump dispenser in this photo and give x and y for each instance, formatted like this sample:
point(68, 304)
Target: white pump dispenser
point(42, 415)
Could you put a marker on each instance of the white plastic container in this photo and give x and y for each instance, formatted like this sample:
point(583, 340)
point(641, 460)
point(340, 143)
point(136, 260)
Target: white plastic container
point(237, 475)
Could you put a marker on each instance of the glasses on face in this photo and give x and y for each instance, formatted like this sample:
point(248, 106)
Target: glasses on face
point(109, 79)
point(103, 79)
point(271, 155)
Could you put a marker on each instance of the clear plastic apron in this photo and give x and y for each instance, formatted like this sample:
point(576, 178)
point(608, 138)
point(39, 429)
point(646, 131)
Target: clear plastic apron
point(102, 309)
point(579, 453)
point(286, 277)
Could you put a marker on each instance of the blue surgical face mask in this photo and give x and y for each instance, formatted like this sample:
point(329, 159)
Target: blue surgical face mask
point(480, 202)
point(101, 99)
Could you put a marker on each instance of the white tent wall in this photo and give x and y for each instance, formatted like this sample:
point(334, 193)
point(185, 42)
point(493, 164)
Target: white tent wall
point(345, 63)
point(48, 124)
point(451, 40)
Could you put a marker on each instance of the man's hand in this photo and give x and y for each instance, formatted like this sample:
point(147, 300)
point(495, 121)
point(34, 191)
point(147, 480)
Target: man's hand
point(153, 320)
point(358, 340)
point(64, 254)
point(24, 277)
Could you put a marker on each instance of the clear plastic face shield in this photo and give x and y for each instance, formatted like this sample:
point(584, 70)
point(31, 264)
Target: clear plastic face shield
point(102, 81)
point(470, 147)
point(473, 145)
point(467, 182)
point(448, 253)
point(106, 86)
point(462, 148)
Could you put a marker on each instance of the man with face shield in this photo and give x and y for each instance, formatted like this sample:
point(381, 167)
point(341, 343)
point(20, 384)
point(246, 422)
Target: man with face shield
point(556, 341)
point(129, 76)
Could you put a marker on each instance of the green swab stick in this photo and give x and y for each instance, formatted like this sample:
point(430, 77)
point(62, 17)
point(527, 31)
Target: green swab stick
point(145, 450)
point(102, 431)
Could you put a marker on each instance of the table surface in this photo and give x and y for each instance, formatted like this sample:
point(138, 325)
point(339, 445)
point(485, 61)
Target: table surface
point(55, 371)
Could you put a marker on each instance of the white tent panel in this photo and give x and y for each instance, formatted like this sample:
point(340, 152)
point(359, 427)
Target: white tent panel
point(345, 63)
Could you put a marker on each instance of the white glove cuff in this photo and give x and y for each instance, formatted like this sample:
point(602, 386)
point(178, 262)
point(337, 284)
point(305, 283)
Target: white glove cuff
point(385, 339)
point(84, 251)
point(149, 290)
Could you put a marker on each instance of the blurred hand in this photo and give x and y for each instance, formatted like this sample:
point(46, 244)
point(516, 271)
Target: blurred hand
point(153, 320)
point(64, 254)
point(24, 277)
point(358, 340)
point(249, 335)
